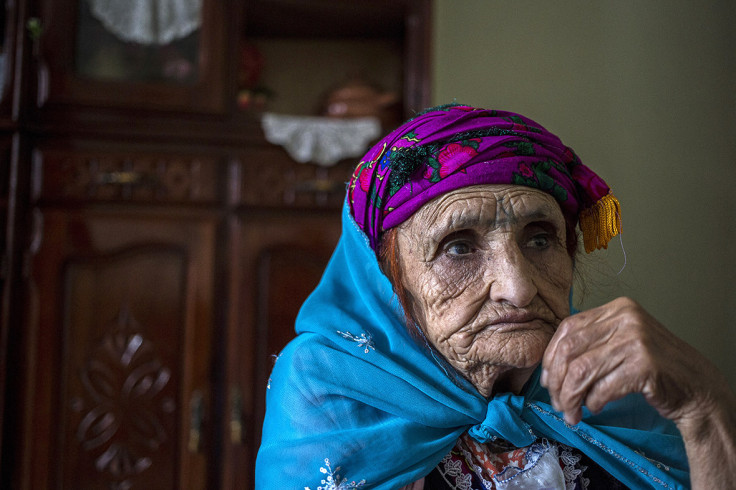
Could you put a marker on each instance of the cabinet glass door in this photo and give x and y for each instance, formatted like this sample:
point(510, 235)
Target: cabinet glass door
point(152, 54)
point(139, 41)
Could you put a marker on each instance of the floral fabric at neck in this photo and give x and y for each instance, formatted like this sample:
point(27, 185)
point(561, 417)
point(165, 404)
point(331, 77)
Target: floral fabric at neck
point(456, 146)
point(471, 465)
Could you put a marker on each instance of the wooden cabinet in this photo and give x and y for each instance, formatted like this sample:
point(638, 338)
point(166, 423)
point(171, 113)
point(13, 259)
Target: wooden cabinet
point(157, 249)
point(124, 295)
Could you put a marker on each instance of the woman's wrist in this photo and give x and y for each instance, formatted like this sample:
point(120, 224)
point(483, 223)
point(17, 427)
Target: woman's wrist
point(714, 412)
point(709, 434)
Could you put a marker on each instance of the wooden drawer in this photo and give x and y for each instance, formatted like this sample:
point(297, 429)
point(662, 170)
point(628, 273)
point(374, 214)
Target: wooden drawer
point(146, 177)
point(270, 178)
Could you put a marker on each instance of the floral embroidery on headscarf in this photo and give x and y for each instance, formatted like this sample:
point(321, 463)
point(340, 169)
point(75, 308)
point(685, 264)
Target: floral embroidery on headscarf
point(537, 175)
point(362, 176)
point(450, 159)
point(455, 146)
point(521, 125)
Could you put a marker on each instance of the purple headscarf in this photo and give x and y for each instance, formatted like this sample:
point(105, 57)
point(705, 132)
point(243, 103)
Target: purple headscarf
point(455, 146)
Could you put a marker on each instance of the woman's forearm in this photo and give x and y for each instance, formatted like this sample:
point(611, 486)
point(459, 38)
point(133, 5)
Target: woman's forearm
point(710, 443)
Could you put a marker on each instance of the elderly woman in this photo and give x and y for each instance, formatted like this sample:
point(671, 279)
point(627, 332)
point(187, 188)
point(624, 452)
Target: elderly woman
point(440, 350)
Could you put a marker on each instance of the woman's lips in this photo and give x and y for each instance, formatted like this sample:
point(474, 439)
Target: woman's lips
point(521, 321)
point(520, 317)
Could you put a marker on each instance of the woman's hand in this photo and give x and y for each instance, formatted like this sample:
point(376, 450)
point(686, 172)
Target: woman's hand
point(603, 354)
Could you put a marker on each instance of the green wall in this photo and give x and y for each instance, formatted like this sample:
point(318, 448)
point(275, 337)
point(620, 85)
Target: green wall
point(646, 94)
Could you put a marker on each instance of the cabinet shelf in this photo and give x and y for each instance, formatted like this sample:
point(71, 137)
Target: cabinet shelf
point(360, 19)
point(308, 48)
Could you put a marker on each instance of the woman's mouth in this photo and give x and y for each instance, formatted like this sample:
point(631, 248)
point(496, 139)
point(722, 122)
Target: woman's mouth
point(521, 320)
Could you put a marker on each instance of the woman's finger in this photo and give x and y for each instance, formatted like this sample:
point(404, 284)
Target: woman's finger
point(576, 336)
point(601, 371)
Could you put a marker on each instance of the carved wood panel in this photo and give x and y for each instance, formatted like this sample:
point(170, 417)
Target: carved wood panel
point(123, 337)
point(123, 351)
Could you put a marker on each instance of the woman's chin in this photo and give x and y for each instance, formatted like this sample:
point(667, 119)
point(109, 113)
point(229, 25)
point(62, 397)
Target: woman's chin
point(507, 365)
point(516, 350)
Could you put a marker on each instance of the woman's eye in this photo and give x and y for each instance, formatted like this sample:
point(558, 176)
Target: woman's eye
point(539, 241)
point(458, 247)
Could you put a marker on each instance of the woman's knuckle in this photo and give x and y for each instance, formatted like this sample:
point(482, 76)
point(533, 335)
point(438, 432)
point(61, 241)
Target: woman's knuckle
point(579, 369)
point(563, 329)
point(566, 347)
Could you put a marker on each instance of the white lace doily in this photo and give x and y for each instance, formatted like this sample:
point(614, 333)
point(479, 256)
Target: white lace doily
point(321, 140)
point(148, 21)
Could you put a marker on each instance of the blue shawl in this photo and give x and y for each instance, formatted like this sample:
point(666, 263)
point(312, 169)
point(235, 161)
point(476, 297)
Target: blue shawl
point(355, 402)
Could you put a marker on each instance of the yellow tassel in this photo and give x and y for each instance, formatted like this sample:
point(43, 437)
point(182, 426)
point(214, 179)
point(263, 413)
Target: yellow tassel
point(600, 222)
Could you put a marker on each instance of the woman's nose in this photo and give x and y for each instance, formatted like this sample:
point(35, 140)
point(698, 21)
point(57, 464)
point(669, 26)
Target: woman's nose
point(512, 277)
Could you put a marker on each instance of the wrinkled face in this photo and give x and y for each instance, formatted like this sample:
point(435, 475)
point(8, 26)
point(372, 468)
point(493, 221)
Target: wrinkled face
point(488, 277)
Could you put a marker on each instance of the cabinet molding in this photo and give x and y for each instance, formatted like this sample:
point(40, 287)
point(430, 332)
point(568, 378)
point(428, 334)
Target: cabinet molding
point(138, 177)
